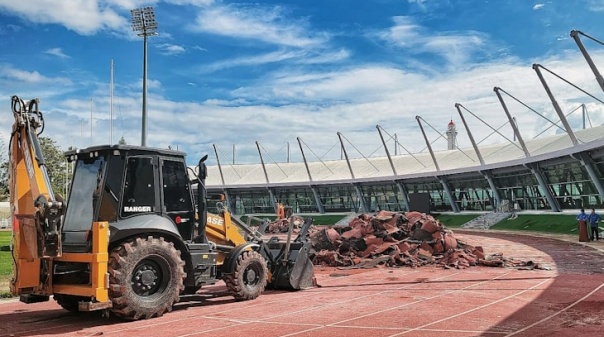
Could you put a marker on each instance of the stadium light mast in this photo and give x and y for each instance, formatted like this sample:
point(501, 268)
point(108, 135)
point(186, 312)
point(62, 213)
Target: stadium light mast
point(144, 24)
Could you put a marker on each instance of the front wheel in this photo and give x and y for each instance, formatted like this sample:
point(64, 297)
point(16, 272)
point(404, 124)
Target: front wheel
point(249, 277)
point(69, 302)
point(146, 278)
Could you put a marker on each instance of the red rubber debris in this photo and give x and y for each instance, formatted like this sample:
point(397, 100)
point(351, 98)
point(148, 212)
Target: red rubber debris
point(401, 239)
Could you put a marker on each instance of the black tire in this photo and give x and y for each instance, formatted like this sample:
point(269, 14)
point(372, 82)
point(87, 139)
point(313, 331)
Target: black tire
point(68, 302)
point(146, 278)
point(249, 276)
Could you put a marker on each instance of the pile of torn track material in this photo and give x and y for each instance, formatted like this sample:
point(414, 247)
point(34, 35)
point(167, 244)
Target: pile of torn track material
point(396, 239)
point(282, 225)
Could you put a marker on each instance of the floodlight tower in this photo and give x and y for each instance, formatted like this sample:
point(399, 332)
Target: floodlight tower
point(144, 24)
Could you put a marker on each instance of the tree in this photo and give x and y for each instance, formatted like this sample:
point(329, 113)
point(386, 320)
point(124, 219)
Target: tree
point(56, 165)
point(122, 141)
point(3, 171)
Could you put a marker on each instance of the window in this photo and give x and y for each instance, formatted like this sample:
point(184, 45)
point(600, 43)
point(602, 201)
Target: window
point(113, 189)
point(139, 187)
point(84, 194)
point(176, 186)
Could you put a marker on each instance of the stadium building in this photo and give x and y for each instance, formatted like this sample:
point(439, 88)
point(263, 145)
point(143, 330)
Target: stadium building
point(552, 173)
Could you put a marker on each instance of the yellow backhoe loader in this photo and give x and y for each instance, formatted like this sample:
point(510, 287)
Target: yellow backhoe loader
point(131, 238)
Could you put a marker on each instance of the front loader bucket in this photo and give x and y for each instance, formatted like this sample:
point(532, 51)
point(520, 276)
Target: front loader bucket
point(296, 272)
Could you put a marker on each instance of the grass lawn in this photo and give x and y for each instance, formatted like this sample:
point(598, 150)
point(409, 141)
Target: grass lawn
point(6, 263)
point(548, 223)
point(327, 219)
point(455, 220)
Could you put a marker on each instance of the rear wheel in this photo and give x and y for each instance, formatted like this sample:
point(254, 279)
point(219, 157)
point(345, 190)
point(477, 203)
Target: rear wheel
point(146, 278)
point(249, 276)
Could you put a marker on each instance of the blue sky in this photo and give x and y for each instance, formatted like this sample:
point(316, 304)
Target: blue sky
point(225, 72)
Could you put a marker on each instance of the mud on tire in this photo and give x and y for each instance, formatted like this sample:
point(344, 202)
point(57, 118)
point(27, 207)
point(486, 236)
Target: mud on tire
point(145, 278)
point(249, 276)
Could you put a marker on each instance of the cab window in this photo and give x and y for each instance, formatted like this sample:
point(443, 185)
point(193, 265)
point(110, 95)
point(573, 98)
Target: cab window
point(139, 187)
point(177, 196)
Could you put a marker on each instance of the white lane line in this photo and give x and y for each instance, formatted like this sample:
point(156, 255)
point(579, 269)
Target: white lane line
point(472, 310)
point(396, 307)
point(559, 312)
point(309, 293)
point(314, 308)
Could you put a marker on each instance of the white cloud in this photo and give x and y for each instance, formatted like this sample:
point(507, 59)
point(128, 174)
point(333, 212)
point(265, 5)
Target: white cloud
point(10, 28)
point(199, 48)
point(595, 5)
point(85, 17)
point(199, 3)
point(314, 105)
point(357, 85)
point(326, 57)
point(57, 52)
point(32, 77)
point(171, 49)
point(538, 6)
point(268, 25)
point(271, 57)
point(296, 100)
point(455, 47)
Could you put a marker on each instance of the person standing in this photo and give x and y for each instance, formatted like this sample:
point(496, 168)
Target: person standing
point(582, 220)
point(594, 220)
point(582, 216)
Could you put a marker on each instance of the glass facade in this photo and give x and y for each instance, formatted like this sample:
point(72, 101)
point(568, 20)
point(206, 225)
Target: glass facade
point(566, 178)
point(383, 197)
point(521, 189)
point(301, 199)
point(251, 201)
point(572, 187)
point(439, 200)
point(341, 198)
point(472, 193)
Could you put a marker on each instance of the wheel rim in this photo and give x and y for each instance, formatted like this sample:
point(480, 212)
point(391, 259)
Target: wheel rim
point(251, 275)
point(150, 277)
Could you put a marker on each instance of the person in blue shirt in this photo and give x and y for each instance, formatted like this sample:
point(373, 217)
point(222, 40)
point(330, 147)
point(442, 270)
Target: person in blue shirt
point(594, 219)
point(582, 216)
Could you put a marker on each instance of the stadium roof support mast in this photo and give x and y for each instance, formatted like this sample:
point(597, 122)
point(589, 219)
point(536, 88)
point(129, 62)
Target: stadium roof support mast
point(487, 174)
point(379, 129)
point(270, 191)
point(345, 154)
point(421, 127)
point(442, 179)
point(315, 193)
point(512, 121)
point(262, 162)
point(144, 24)
point(563, 119)
point(304, 158)
point(465, 124)
point(575, 35)
point(218, 162)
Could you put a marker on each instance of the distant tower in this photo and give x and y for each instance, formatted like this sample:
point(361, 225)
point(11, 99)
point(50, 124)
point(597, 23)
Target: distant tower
point(451, 136)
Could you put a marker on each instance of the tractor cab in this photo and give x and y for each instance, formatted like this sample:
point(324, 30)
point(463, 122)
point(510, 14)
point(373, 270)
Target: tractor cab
point(128, 187)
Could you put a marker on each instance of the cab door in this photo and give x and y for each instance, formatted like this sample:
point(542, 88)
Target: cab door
point(177, 200)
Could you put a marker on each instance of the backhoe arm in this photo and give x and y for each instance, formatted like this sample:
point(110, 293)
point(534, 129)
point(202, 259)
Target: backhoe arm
point(36, 211)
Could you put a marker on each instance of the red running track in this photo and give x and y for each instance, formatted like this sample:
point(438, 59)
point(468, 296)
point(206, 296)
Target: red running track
point(567, 300)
